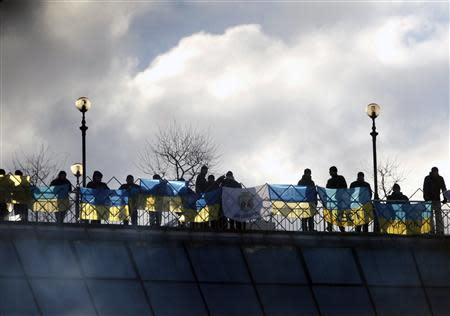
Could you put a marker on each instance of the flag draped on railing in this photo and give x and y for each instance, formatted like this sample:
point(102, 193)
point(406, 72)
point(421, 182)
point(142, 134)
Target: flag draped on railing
point(246, 204)
point(404, 218)
point(51, 199)
point(103, 204)
point(293, 202)
point(160, 195)
point(346, 207)
point(207, 208)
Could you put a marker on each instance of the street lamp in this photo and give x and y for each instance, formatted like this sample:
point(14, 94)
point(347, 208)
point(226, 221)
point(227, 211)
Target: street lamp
point(77, 170)
point(83, 105)
point(373, 110)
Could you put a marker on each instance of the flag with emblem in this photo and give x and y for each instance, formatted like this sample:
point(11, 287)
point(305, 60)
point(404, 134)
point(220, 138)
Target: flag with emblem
point(246, 204)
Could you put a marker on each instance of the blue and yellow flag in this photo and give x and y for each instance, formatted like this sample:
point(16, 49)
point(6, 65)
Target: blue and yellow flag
point(103, 204)
point(204, 209)
point(293, 201)
point(404, 218)
point(161, 195)
point(51, 199)
point(346, 207)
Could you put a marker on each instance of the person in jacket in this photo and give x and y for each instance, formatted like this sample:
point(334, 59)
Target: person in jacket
point(228, 181)
point(200, 182)
point(361, 183)
point(132, 189)
point(335, 182)
point(61, 179)
point(97, 183)
point(396, 194)
point(433, 185)
point(22, 195)
point(306, 181)
point(6, 187)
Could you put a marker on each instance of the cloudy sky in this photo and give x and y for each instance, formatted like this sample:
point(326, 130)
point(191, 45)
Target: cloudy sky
point(281, 85)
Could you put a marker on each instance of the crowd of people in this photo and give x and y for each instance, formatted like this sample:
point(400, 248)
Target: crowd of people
point(433, 186)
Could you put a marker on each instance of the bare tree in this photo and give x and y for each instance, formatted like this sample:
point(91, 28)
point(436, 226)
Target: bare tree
point(390, 171)
point(178, 151)
point(41, 164)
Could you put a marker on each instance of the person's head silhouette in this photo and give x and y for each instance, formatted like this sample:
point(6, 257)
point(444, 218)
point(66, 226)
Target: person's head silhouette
point(156, 177)
point(360, 176)
point(434, 171)
point(97, 176)
point(204, 170)
point(62, 175)
point(130, 179)
point(333, 171)
point(396, 188)
point(2, 172)
point(229, 175)
point(307, 172)
point(211, 178)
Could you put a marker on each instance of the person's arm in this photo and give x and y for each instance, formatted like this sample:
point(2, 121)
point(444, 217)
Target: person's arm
point(444, 189)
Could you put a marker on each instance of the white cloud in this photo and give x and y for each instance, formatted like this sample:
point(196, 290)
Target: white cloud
point(275, 106)
point(270, 102)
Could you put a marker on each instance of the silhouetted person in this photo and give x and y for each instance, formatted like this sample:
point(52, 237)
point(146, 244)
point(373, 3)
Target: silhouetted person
point(6, 186)
point(132, 189)
point(360, 183)
point(306, 181)
point(97, 183)
point(200, 182)
point(396, 194)
point(433, 185)
point(23, 191)
point(211, 184)
point(61, 180)
point(228, 181)
point(336, 182)
point(155, 217)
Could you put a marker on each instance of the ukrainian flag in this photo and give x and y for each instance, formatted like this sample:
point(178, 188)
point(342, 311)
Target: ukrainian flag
point(404, 218)
point(51, 199)
point(103, 204)
point(205, 209)
point(346, 207)
point(21, 190)
point(161, 195)
point(293, 201)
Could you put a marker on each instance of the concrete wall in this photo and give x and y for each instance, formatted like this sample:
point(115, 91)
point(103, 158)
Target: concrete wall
point(52, 270)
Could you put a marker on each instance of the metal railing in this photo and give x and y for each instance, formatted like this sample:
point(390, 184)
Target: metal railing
point(18, 204)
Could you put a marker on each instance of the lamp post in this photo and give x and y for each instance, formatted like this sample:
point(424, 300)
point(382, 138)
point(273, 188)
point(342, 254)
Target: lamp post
point(77, 171)
point(373, 110)
point(83, 105)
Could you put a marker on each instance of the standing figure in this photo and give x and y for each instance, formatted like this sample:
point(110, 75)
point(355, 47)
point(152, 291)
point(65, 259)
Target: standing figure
point(132, 189)
point(433, 185)
point(97, 183)
point(306, 181)
point(335, 182)
point(361, 183)
point(61, 180)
